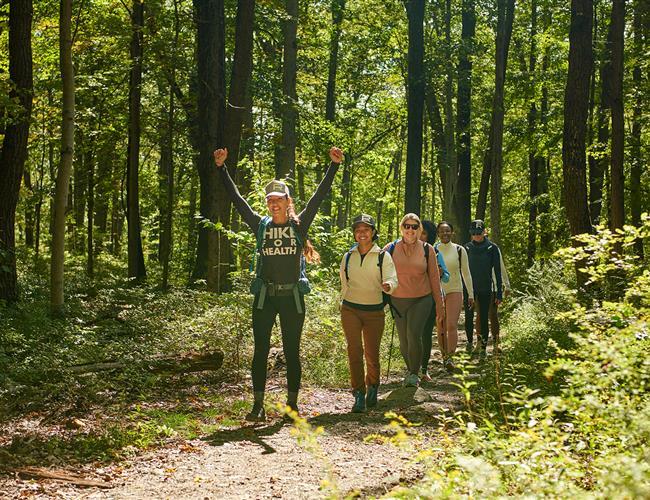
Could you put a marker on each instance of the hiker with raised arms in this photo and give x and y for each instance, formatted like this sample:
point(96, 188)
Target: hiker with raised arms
point(419, 289)
point(367, 272)
point(280, 282)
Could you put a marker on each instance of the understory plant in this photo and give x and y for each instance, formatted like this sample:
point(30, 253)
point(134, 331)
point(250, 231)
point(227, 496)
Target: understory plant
point(569, 417)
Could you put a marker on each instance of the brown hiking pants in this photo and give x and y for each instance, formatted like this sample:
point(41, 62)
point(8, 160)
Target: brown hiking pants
point(363, 331)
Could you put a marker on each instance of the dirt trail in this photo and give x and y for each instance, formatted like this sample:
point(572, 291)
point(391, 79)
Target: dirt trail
point(266, 461)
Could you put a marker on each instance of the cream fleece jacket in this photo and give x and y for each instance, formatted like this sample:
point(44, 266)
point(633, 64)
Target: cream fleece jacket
point(449, 252)
point(364, 285)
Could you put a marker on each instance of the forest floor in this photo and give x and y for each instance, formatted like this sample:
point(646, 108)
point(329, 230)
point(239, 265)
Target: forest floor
point(271, 460)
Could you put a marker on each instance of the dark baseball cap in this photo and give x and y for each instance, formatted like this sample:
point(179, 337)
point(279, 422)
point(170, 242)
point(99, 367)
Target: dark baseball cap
point(476, 227)
point(365, 219)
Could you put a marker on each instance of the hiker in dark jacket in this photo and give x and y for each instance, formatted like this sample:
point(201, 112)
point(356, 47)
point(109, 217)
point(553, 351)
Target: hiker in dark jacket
point(484, 259)
point(278, 288)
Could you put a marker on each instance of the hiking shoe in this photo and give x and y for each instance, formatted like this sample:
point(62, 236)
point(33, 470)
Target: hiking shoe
point(359, 402)
point(469, 348)
point(287, 417)
point(411, 380)
point(257, 413)
point(450, 366)
point(425, 377)
point(371, 396)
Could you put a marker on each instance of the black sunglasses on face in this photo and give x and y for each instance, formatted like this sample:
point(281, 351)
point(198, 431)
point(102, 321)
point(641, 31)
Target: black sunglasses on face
point(415, 227)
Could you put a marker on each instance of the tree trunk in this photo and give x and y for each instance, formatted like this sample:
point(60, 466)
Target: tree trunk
point(598, 162)
point(90, 259)
point(338, 8)
point(576, 109)
point(533, 175)
point(29, 209)
point(464, 122)
point(136, 257)
point(493, 158)
point(342, 215)
point(504, 32)
point(437, 132)
point(287, 154)
point(617, 179)
point(640, 28)
point(239, 81)
point(167, 165)
point(14, 143)
point(209, 130)
point(450, 178)
point(79, 186)
point(67, 153)
point(415, 105)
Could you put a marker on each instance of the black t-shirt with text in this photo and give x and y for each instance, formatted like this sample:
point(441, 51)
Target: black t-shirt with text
point(281, 249)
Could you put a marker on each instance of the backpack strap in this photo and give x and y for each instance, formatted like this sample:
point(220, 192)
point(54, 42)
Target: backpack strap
point(347, 261)
point(426, 253)
point(261, 228)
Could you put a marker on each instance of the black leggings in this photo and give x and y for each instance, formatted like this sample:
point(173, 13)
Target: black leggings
point(291, 325)
point(427, 338)
point(481, 300)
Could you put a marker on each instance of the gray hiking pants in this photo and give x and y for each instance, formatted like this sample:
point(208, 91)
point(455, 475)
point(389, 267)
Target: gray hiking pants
point(414, 314)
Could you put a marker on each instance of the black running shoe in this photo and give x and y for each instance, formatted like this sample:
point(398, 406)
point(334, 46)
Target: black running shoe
point(257, 414)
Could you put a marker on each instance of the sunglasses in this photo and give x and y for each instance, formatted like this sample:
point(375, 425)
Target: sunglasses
point(415, 227)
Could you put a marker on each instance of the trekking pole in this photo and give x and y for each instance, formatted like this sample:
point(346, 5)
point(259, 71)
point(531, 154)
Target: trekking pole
point(390, 350)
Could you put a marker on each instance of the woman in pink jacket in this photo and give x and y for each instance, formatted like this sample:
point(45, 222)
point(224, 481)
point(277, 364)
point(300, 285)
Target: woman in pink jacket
point(419, 287)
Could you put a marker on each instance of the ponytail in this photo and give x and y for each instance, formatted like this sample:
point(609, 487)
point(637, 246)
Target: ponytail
point(308, 250)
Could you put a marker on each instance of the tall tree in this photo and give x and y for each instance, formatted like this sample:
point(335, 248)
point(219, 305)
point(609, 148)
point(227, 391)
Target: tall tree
point(167, 162)
point(450, 177)
point(14, 143)
point(415, 105)
point(136, 256)
point(493, 160)
point(338, 8)
point(242, 68)
point(287, 155)
point(640, 26)
point(209, 133)
point(599, 158)
point(617, 179)
point(464, 120)
point(67, 154)
point(533, 157)
point(576, 109)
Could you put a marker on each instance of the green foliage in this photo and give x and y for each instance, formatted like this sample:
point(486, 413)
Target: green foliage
point(558, 420)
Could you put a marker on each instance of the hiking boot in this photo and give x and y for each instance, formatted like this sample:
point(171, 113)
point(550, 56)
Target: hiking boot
point(371, 396)
point(469, 348)
point(411, 380)
point(425, 377)
point(293, 407)
point(257, 413)
point(359, 402)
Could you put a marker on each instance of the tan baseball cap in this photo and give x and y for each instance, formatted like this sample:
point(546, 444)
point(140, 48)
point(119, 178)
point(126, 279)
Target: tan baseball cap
point(276, 188)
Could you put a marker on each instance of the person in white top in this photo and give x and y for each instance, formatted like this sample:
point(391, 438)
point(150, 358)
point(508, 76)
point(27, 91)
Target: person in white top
point(366, 272)
point(455, 257)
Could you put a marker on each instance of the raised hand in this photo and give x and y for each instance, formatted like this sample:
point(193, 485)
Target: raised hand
point(220, 156)
point(336, 155)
